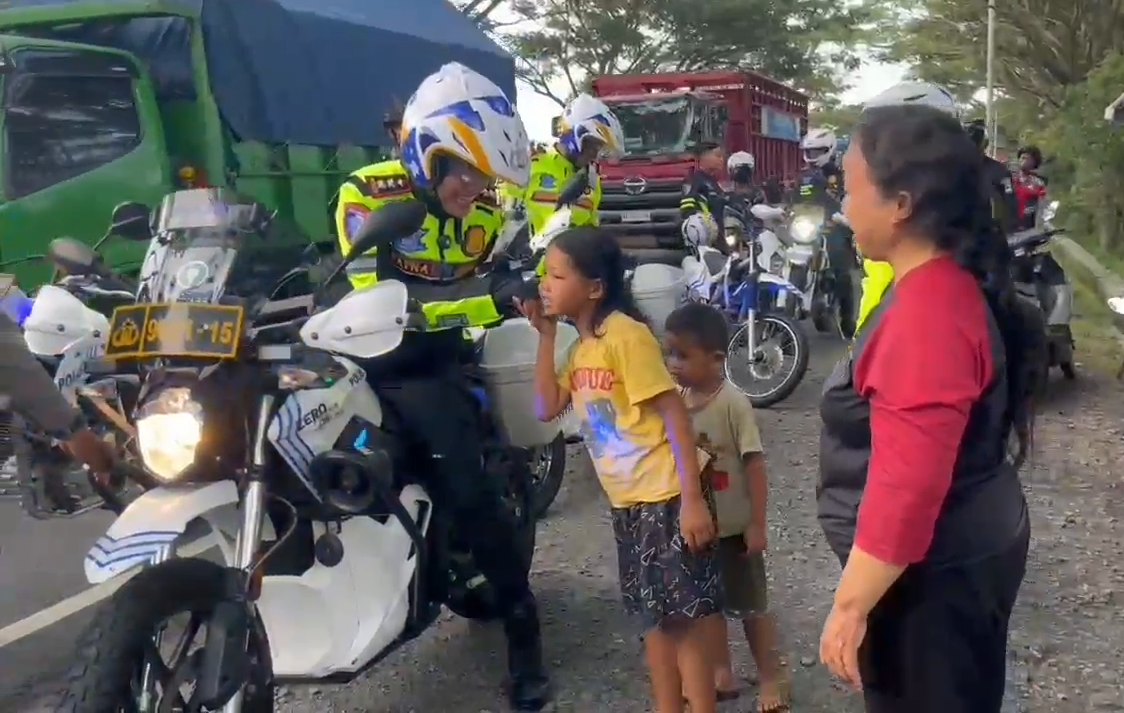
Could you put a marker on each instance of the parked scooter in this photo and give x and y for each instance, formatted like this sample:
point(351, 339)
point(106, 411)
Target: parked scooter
point(1039, 278)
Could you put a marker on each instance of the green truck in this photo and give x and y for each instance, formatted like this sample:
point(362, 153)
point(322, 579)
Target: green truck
point(106, 101)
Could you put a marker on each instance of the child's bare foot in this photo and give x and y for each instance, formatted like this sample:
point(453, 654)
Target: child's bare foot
point(725, 687)
point(772, 697)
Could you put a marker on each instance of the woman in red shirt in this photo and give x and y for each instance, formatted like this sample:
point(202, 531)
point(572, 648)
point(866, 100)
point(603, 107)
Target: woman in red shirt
point(918, 494)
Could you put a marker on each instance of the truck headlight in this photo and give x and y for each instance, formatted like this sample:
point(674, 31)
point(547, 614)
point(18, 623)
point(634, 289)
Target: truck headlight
point(169, 427)
point(804, 230)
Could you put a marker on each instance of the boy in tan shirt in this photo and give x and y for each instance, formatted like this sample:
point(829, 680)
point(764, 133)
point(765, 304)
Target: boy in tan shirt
point(696, 339)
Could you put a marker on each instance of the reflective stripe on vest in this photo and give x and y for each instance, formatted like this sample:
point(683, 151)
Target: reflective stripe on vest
point(362, 266)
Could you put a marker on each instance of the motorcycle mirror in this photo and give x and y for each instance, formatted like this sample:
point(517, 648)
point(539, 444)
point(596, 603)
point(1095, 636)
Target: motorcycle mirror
point(385, 225)
point(72, 256)
point(573, 189)
point(131, 221)
point(382, 227)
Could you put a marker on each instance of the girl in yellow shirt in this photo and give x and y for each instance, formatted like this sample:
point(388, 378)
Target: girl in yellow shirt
point(639, 435)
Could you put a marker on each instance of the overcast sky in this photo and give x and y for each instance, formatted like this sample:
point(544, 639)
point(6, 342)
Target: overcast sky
point(537, 110)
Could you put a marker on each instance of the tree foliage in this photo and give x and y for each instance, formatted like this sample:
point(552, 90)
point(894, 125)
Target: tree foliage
point(804, 41)
point(1042, 46)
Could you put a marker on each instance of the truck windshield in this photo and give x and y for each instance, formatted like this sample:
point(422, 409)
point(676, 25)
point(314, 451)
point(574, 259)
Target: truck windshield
point(653, 126)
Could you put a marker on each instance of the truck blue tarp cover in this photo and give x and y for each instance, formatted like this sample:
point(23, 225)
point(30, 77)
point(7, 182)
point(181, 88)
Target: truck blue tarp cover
point(317, 72)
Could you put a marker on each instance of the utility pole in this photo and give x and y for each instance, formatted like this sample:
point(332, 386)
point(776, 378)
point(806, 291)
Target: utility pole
point(991, 119)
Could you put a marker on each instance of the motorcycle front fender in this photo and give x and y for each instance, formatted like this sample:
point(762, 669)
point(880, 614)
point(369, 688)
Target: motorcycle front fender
point(158, 520)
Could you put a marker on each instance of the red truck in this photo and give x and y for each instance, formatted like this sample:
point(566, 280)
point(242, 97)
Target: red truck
point(662, 114)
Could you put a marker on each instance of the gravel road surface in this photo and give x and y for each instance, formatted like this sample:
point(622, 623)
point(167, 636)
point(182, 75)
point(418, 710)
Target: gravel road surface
point(1066, 640)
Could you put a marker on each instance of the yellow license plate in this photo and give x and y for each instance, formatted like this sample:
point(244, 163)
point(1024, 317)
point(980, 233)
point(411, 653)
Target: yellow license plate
point(182, 329)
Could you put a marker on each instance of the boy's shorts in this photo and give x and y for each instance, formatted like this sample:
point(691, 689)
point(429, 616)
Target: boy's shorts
point(743, 578)
point(661, 580)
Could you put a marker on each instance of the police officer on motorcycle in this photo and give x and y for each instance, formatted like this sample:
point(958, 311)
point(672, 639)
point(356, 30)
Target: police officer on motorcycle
point(703, 201)
point(460, 134)
point(821, 183)
point(587, 129)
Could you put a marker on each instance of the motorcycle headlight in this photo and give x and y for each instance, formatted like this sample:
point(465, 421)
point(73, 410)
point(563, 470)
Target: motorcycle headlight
point(169, 427)
point(731, 238)
point(804, 230)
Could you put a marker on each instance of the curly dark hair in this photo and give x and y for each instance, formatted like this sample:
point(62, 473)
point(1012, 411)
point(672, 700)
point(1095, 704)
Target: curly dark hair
point(926, 154)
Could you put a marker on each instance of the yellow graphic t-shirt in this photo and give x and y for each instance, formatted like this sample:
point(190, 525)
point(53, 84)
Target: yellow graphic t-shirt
point(610, 380)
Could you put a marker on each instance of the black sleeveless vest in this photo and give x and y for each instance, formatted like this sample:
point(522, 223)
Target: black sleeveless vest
point(984, 510)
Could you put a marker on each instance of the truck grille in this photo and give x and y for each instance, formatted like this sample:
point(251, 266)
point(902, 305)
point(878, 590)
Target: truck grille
point(659, 199)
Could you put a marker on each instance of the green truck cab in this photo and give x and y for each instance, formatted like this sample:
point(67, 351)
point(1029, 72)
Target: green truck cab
point(107, 101)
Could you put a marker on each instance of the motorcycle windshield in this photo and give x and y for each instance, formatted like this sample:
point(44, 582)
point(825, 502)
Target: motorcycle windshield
point(201, 242)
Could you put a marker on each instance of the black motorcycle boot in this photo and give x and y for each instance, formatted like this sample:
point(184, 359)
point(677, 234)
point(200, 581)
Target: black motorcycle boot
point(529, 685)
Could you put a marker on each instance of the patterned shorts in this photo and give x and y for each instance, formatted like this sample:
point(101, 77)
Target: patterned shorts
point(662, 581)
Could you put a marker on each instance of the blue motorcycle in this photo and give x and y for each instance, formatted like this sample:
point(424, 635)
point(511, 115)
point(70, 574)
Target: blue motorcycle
point(767, 356)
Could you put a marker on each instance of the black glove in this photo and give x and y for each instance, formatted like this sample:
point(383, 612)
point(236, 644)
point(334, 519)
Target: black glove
point(508, 288)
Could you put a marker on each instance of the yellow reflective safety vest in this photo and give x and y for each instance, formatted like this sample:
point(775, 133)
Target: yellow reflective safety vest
point(549, 173)
point(877, 278)
point(438, 264)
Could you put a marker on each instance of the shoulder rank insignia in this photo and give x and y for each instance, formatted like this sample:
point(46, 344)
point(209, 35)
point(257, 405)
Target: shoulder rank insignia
point(387, 187)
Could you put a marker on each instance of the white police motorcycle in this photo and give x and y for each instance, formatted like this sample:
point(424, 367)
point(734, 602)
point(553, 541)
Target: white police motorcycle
point(259, 424)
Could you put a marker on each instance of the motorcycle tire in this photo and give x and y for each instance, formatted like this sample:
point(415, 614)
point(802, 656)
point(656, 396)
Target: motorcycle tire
point(112, 647)
point(1069, 371)
point(480, 603)
point(546, 486)
point(794, 377)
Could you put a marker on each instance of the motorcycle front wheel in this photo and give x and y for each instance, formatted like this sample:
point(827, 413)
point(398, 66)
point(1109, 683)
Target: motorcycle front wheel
point(778, 363)
point(121, 643)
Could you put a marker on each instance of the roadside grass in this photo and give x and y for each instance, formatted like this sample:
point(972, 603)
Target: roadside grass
point(1098, 343)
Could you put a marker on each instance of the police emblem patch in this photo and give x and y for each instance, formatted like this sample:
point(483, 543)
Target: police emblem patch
point(548, 182)
point(353, 218)
point(475, 241)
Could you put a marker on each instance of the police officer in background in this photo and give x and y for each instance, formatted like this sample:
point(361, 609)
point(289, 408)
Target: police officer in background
point(587, 129)
point(821, 183)
point(1004, 203)
point(703, 200)
point(462, 134)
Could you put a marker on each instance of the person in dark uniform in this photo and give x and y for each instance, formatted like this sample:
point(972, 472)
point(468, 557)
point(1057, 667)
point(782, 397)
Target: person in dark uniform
point(821, 183)
point(919, 496)
point(1004, 203)
point(703, 200)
